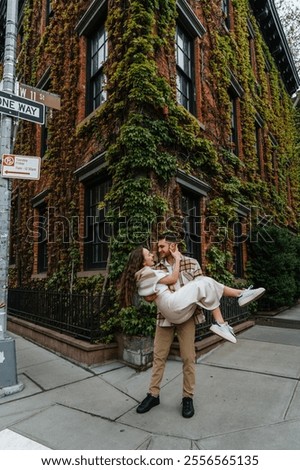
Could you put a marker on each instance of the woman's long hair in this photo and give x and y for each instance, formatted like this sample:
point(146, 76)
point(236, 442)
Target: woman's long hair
point(128, 283)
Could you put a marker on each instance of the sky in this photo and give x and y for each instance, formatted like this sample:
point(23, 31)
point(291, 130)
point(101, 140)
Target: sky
point(292, 2)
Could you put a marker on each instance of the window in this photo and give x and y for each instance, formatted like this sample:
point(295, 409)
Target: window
point(225, 11)
point(42, 238)
point(258, 143)
point(190, 206)
point(49, 11)
point(92, 26)
point(192, 192)
point(251, 40)
point(240, 235)
point(233, 125)
point(268, 78)
point(188, 30)
point(184, 76)
point(273, 177)
point(97, 229)
point(235, 92)
point(97, 57)
point(238, 248)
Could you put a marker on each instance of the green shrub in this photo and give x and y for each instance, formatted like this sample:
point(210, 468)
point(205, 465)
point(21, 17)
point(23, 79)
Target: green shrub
point(275, 265)
point(138, 321)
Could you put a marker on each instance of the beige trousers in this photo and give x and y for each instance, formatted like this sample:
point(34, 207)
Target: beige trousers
point(162, 343)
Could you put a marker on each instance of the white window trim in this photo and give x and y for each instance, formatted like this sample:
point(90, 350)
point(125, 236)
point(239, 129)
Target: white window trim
point(188, 17)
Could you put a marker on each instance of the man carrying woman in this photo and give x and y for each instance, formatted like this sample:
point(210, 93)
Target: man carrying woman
point(177, 311)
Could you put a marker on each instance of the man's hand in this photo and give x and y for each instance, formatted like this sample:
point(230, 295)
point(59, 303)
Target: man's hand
point(174, 251)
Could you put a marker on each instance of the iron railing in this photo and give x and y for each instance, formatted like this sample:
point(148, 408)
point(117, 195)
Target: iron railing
point(79, 315)
point(83, 315)
point(231, 312)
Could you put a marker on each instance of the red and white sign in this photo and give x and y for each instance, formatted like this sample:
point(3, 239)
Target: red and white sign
point(21, 167)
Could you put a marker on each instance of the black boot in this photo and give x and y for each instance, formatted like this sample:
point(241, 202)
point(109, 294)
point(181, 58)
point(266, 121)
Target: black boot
point(147, 404)
point(187, 407)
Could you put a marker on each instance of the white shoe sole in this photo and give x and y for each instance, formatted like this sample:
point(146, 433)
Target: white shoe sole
point(258, 293)
point(223, 334)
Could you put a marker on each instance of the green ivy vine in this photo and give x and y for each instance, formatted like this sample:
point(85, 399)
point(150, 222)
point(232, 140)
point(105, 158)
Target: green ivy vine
point(146, 135)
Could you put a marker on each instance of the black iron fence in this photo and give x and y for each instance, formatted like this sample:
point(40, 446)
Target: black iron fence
point(79, 315)
point(83, 316)
point(231, 312)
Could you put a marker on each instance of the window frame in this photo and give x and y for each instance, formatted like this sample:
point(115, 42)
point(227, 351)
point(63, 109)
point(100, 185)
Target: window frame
point(49, 11)
point(238, 253)
point(258, 126)
point(234, 141)
point(43, 225)
point(190, 185)
point(251, 40)
point(187, 76)
point(87, 26)
point(191, 26)
point(96, 79)
point(235, 92)
point(226, 13)
point(191, 220)
point(239, 239)
point(94, 247)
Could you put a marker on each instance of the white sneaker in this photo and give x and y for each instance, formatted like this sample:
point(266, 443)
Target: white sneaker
point(249, 295)
point(224, 330)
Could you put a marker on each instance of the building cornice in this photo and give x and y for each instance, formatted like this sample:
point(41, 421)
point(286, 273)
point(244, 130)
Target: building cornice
point(267, 16)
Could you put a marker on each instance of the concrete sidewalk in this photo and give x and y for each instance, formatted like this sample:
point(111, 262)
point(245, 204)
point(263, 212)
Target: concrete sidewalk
point(247, 397)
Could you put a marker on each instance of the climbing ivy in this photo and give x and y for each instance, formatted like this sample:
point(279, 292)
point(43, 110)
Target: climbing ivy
point(145, 134)
point(153, 136)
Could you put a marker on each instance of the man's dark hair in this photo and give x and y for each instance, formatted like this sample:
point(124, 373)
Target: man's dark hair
point(170, 237)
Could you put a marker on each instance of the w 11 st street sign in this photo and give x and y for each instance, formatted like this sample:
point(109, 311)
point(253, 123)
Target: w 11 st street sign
point(20, 166)
point(14, 105)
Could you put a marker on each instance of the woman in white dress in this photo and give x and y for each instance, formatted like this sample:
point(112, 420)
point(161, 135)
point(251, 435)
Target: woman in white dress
point(177, 307)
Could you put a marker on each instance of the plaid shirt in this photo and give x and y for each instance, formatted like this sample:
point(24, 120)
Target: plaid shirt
point(189, 268)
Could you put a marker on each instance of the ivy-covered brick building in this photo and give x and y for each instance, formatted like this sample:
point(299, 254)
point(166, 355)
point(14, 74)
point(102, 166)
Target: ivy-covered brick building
point(175, 114)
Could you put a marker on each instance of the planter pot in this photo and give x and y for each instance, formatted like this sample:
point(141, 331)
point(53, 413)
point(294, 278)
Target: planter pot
point(136, 351)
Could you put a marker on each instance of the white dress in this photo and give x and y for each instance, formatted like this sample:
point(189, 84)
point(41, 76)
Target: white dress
point(177, 307)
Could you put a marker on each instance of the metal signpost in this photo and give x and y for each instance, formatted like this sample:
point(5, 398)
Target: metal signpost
point(8, 370)
point(28, 103)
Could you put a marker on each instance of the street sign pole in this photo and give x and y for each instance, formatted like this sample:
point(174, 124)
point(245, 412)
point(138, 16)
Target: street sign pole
point(8, 370)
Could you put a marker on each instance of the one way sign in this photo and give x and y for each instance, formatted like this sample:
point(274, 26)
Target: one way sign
point(14, 105)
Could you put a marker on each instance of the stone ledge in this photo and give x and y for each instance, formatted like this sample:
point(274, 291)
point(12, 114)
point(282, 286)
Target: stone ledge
point(78, 351)
point(86, 354)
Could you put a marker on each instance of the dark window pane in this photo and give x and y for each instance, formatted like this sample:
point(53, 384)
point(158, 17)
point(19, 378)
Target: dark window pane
point(97, 229)
point(184, 76)
point(190, 205)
